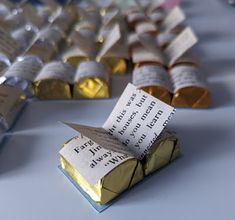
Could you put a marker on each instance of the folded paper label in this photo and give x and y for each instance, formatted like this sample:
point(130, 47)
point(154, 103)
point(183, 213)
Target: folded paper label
point(90, 69)
point(185, 40)
point(26, 69)
point(90, 159)
point(150, 75)
point(56, 70)
point(131, 129)
point(145, 27)
point(173, 19)
point(185, 76)
point(111, 40)
point(137, 120)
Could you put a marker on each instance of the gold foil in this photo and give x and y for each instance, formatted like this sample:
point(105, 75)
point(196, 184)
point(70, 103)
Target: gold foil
point(110, 186)
point(116, 65)
point(91, 81)
point(91, 87)
point(159, 92)
point(191, 97)
point(163, 151)
point(52, 89)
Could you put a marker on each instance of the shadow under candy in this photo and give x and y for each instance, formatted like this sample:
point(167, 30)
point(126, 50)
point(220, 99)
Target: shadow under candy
point(16, 152)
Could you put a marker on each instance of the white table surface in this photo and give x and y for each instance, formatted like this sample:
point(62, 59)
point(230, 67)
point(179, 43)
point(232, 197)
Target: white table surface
point(199, 185)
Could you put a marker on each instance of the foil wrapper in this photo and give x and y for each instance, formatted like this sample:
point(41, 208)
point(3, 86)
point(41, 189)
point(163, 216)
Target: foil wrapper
point(164, 151)
point(12, 101)
point(110, 186)
point(153, 79)
point(190, 89)
point(91, 81)
point(53, 81)
point(117, 65)
point(159, 92)
point(74, 56)
point(22, 73)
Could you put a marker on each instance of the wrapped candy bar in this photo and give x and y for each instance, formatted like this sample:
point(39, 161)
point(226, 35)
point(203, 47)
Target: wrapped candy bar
point(119, 179)
point(104, 162)
point(91, 81)
point(153, 79)
point(112, 16)
point(22, 73)
point(164, 150)
point(114, 52)
point(75, 56)
point(53, 81)
point(189, 85)
point(190, 89)
point(82, 50)
point(12, 101)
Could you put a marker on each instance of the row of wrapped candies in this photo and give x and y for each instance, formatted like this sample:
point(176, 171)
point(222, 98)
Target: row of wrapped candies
point(30, 36)
point(83, 33)
point(19, 24)
point(160, 47)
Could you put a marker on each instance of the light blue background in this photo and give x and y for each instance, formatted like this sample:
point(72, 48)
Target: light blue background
point(199, 185)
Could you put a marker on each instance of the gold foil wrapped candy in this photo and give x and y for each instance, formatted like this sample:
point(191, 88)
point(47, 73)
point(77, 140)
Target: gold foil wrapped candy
point(91, 81)
point(116, 58)
point(153, 79)
point(190, 89)
point(164, 150)
point(22, 73)
point(12, 101)
point(111, 185)
point(117, 65)
point(74, 56)
point(53, 81)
